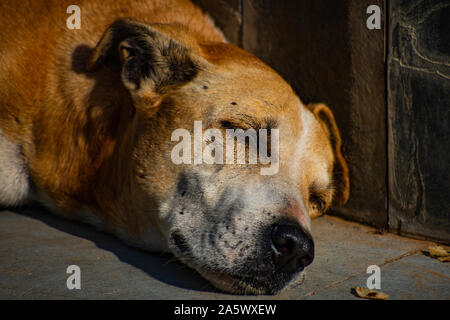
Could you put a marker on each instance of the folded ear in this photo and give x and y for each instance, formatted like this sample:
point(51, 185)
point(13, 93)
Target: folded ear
point(340, 169)
point(149, 59)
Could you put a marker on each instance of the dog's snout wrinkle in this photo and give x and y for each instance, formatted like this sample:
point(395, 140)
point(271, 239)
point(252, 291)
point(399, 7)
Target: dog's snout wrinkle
point(293, 248)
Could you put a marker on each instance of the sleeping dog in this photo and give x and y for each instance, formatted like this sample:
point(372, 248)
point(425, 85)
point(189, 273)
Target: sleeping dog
point(87, 127)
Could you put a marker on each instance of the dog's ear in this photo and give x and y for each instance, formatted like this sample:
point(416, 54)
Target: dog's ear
point(340, 170)
point(149, 59)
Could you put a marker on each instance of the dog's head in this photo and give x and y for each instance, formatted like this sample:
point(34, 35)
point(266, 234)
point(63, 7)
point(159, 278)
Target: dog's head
point(243, 226)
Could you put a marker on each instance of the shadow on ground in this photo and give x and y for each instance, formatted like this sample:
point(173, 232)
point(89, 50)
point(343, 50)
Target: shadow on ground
point(36, 248)
point(163, 267)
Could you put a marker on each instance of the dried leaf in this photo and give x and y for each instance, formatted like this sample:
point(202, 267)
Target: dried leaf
point(444, 259)
point(438, 251)
point(369, 293)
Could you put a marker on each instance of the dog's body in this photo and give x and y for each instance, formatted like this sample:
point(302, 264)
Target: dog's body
point(86, 123)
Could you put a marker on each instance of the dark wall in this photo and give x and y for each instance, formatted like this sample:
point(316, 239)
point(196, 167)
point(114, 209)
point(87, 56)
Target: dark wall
point(325, 51)
point(227, 15)
point(419, 118)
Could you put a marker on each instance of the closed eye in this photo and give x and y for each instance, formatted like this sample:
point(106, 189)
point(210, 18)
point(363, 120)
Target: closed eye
point(246, 122)
point(226, 124)
point(318, 202)
point(249, 124)
point(320, 198)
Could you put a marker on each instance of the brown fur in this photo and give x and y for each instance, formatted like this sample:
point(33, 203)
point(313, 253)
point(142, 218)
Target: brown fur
point(75, 151)
point(95, 142)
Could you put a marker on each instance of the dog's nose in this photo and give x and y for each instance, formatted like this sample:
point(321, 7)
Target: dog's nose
point(293, 247)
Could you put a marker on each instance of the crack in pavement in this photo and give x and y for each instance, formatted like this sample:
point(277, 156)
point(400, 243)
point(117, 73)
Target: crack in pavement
point(386, 262)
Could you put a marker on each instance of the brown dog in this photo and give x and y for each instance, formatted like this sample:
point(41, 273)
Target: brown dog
point(87, 119)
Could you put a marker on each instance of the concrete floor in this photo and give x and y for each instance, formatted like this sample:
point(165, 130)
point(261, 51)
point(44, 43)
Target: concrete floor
point(36, 248)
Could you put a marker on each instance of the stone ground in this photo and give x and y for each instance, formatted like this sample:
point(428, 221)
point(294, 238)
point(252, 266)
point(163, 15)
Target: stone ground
point(36, 248)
